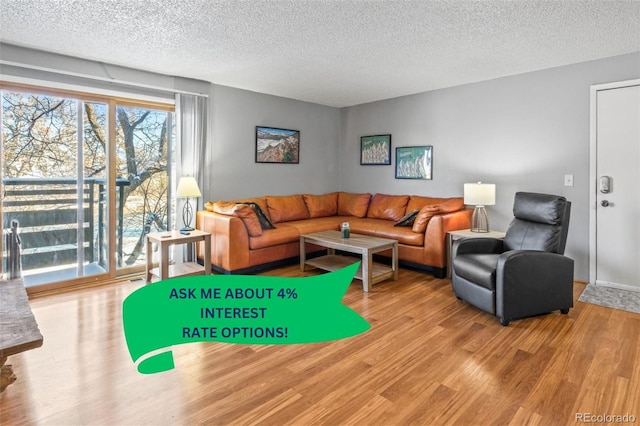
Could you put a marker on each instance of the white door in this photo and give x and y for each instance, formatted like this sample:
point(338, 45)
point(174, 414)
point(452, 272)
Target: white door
point(616, 191)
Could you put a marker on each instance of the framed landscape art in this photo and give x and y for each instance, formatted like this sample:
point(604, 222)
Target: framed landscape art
point(274, 145)
point(375, 150)
point(414, 162)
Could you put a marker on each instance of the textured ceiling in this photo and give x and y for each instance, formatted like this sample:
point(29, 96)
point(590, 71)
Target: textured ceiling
point(336, 53)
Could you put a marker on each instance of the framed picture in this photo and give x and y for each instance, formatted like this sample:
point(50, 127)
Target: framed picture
point(275, 145)
point(414, 162)
point(375, 150)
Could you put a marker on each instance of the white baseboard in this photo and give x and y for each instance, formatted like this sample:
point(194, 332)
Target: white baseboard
point(618, 286)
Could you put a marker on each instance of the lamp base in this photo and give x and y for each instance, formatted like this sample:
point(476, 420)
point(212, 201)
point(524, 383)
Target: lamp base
point(479, 220)
point(187, 215)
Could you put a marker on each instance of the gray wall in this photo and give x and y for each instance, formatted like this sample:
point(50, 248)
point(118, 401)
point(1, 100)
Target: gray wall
point(523, 133)
point(231, 168)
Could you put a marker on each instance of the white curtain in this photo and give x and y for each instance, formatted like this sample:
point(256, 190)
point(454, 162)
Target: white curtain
point(191, 133)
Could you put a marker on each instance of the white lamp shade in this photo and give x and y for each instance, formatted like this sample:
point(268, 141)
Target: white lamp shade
point(480, 194)
point(188, 187)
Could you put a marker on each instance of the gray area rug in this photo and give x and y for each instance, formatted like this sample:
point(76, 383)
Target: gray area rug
point(624, 300)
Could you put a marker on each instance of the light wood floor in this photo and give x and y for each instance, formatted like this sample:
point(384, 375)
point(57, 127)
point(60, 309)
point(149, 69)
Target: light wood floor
point(428, 359)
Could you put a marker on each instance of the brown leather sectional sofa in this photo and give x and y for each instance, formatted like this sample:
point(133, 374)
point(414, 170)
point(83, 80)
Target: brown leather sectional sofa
point(243, 242)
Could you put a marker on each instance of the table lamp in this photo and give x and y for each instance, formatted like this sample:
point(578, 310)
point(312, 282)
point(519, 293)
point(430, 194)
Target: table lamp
point(187, 188)
point(480, 195)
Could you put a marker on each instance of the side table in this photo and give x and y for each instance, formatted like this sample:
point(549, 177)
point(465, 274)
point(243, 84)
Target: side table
point(169, 238)
point(466, 233)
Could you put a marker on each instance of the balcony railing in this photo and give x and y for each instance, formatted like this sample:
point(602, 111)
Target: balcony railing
point(50, 217)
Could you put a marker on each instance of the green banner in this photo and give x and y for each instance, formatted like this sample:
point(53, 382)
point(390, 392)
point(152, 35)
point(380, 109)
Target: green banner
point(236, 309)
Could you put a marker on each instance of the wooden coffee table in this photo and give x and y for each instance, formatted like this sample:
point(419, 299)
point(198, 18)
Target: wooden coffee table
point(364, 245)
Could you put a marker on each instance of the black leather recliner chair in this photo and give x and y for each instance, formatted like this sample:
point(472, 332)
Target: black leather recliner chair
point(524, 274)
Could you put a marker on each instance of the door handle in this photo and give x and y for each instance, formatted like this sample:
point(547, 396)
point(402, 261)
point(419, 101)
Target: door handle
point(604, 203)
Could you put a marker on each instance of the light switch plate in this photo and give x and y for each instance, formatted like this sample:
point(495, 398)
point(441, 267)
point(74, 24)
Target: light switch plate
point(568, 180)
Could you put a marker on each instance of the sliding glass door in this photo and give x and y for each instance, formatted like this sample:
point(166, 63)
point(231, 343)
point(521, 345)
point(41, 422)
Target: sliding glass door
point(83, 181)
point(54, 180)
point(143, 161)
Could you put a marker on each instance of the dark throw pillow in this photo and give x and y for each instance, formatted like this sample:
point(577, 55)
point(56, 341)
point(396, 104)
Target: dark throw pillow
point(408, 219)
point(265, 222)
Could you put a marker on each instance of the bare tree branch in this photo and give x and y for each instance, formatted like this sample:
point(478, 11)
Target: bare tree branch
point(95, 125)
point(128, 130)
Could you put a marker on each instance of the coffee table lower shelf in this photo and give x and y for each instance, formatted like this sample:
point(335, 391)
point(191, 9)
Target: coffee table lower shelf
point(333, 262)
point(364, 246)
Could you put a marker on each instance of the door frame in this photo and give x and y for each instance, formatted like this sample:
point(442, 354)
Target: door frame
point(111, 100)
point(593, 178)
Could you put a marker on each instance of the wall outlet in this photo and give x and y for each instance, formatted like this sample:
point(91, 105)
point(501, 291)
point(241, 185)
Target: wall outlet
point(568, 180)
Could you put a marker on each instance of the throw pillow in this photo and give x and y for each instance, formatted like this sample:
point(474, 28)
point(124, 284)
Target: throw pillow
point(424, 215)
point(418, 202)
point(388, 207)
point(286, 208)
point(321, 205)
point(408, 219)
point(264, 220)
point(257, 200)
point(427, 212)
point(353, 204)
point(242, 211)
